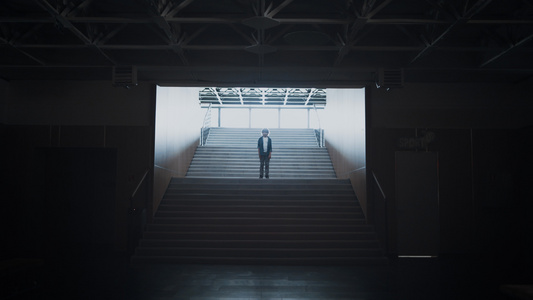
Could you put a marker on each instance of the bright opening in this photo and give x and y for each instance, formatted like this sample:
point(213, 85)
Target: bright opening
point(181, 120)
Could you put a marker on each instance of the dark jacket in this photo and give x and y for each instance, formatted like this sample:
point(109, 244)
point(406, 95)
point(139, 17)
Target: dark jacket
point(260, 146)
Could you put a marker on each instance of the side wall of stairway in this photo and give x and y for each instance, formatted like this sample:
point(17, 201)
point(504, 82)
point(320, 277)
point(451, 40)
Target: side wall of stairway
point(343, 121)
point(177, 134)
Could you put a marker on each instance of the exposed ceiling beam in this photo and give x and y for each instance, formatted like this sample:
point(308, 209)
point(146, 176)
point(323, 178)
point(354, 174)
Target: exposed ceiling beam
point(497, 56)
point(439, 6)
point(40, 62)
point(216, 94)
point(276, 10)
point(248, 69)
point(187, 38)
point(383, 4)
point(279, 48)
point(240, 96)
point(246, 36)
point(63, 21)
point(476, 8)
point(280, 34)
point(68, 25)
point(286, 96)
point(174, 40)
point(252, 97)
point(349, 35)
point(103, 39)
point(233, 20)
point(33, 30)
point(359, 23)
point(165, 26)
point(178, 8)
point(76, 10)
point(311, 92)
point(368, 14)
point(263, 97)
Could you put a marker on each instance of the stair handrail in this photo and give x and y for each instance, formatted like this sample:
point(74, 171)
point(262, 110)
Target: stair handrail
point(204, 131)
point(319, 132)
point(354, 170)
point(384, 236)
point(317, 117)
point(136, 219)
point(207, 117)
point(137, 188)
point(169, 170)
point(379, 186)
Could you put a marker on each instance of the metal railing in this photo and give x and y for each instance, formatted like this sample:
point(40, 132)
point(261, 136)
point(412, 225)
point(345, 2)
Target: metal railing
point(137, 219)
point(138, 186)
point(319, 132)
point(204, 131)
point(380, 212)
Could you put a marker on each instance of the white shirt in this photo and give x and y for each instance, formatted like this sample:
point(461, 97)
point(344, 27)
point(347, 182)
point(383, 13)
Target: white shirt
point(265, 144)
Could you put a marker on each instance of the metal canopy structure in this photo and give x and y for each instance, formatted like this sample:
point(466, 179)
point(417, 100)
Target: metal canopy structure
point(288, 97)
point(328, 43)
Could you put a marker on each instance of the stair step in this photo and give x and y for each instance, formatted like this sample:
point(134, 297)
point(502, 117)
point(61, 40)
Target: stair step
point(256, 186)
point(309, 198)
point(250, 225)
point(292, 152)
point(301, 175)
point(294, 261)
point(247, 181)
point(261, 193)
point(178, 210)
point(268, 230)
point(324, 244)
point(258, 252)
point(281, 203)
point(249, 213)
point(261, 235)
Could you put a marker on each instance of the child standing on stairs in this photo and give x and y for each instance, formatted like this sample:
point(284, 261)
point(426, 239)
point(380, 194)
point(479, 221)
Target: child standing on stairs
point(264, 149)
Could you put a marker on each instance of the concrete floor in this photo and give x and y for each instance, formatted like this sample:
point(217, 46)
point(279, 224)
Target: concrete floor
point(436, 278)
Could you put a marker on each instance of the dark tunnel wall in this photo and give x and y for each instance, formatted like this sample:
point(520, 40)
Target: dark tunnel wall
point(74, 115)
point(480, 132)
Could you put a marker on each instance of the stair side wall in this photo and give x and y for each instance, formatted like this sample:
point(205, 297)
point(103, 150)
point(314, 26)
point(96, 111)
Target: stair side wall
point(343, 121)
point(177, 134)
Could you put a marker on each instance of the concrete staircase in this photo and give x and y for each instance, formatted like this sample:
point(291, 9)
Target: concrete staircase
point(221, 213)
point(232, 153)
point(259, 221)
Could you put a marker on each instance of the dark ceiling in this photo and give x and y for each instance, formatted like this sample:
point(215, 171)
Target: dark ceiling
point(322, 43)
